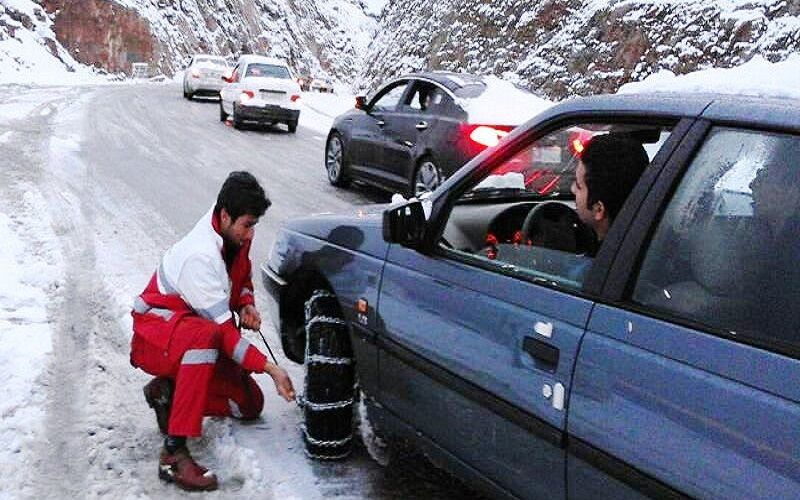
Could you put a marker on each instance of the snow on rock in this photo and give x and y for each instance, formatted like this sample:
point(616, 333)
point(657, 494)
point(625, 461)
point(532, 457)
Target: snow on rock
point(757, 77)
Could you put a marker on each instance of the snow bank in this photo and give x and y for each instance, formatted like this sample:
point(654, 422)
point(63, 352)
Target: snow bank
point(319, 109)
point(502, 103)
point(28, 270)
point(757, 77)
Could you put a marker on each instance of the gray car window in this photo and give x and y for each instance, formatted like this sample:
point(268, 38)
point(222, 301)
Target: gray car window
point(725, 253)
point(267, 71)
point(389, 97)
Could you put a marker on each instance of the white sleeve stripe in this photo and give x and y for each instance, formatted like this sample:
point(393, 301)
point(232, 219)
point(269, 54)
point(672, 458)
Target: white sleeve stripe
point(240, 350)
point(200, 357)
point(217, 310)
point(162, 280)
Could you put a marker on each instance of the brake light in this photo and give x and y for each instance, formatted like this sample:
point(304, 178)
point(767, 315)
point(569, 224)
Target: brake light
point(245, 96)
point(294, 97)
point(195, 73)
point(487, 136)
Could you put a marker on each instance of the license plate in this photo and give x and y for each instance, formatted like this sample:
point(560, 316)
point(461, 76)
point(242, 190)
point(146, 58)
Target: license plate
point(271, 96)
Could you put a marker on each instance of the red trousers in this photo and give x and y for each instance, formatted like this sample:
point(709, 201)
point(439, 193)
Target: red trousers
point(207, 381)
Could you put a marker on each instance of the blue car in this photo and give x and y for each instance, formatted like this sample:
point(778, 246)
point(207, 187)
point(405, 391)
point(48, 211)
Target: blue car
point(485, 325)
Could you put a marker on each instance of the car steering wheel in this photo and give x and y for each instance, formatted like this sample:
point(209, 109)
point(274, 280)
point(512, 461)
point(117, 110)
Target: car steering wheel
point(556, 226)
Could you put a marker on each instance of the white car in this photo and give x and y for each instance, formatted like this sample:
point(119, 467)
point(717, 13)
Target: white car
point(260, 90)
point(204, 75)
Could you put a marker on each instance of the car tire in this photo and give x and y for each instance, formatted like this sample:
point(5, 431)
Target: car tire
point(427, 177)
point(329, 388)
point(237, 122)
point(222, 114)
point(335, 161)
point(292, 127)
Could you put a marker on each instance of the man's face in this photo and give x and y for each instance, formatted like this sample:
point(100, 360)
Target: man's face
point(581, 192)
point(239, 231)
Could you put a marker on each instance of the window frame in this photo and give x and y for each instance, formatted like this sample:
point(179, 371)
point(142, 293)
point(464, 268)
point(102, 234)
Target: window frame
point(624, 272)
point(385, 90)
point(595, 277)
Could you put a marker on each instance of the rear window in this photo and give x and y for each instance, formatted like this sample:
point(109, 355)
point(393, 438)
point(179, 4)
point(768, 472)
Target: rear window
point(211, 60)
point(268, 71)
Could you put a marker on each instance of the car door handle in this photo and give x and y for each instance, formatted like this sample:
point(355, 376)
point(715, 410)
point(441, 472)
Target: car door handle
point(380, 123)
point(543, 354)
point(422, 125)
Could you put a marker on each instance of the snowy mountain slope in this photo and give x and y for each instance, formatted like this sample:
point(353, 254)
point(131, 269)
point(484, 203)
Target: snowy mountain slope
point(567, 47)
point(317, 38)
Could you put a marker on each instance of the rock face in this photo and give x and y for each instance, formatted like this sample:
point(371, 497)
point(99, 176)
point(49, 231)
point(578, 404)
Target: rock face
point(568, 47)
point(314, 37)
point(101, 33)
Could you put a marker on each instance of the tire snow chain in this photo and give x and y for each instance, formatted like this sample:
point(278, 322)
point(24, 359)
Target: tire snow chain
point(318, 359)
point(319, 442)
point(324, 319)
point(327, 457)
point(318, 295)
point(327, 406)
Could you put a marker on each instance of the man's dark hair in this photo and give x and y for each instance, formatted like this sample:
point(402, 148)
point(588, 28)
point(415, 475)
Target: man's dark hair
point(241, 194)
point(613, 164)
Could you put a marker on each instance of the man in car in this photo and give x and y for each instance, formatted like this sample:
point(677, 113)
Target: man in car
point(608, 169)
point(184, 330)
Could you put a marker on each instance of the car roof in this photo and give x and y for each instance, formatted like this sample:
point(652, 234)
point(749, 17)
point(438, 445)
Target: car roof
point(252, 58)
point(758, 111)
point(448, 79)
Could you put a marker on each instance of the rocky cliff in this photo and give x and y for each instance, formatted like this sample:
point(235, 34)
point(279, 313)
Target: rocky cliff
point(555, 47)
point(568, 47)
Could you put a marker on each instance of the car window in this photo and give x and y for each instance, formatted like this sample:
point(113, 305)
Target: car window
point(425, 98)
point(725, 252)
point(267, 71)
point(528, 215)
point(389, 97)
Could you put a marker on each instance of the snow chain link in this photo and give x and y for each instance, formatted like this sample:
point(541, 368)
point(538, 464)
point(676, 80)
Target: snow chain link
point(319, 442)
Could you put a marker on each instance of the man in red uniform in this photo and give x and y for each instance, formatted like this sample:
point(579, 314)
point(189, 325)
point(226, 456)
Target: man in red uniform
point(185, 335)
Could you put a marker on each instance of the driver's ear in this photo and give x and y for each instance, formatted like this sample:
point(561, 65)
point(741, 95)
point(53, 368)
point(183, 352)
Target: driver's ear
point(224, 217)
point(599, 211)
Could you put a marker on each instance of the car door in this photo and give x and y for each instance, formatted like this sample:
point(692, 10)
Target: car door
point(406, 131)
point(367, 140)
point(686, 380)
point(479, 338)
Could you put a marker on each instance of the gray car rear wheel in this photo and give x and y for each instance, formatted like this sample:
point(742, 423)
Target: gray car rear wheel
point(427, 177)
point(222, 114)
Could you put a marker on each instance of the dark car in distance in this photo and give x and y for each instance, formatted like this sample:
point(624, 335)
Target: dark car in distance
point(475, 325)
point(420, 128)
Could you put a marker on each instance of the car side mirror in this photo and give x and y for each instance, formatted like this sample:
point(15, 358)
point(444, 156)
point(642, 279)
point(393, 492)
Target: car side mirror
point(404, 224)
point(361, 102)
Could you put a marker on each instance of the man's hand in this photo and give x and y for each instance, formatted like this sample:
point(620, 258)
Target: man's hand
point(250, 318)
point(282, 382)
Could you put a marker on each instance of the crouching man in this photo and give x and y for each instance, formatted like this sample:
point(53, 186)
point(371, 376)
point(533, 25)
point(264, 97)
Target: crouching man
point(184, 332)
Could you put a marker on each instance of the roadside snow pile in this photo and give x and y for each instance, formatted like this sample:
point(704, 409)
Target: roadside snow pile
point(29, 52)
point(502, 103)
point(757, 77)
point(25, 343)
point(319, 109)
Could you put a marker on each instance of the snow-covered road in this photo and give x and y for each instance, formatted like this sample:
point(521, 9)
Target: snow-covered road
point(97, 182)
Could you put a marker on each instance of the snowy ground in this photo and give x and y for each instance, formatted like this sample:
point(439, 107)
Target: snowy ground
point(34, 285)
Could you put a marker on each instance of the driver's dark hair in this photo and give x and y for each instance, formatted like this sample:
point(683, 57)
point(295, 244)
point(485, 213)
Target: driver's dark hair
point(613, 164)
point(241, 194)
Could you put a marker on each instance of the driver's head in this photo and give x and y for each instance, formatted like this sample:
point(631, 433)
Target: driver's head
point(240, 203)
point(608, 170)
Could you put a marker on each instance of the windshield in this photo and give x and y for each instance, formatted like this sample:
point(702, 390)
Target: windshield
point(268, 71)
point(218, 61)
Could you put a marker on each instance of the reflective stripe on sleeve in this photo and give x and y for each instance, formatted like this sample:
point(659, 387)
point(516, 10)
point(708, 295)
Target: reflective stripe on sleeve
point(235, 411)
point(245, 292)
point(140, 306)
point(240, 350)
point(200, 357)
point(216, 311)
point(164, 313)
point(162, 280)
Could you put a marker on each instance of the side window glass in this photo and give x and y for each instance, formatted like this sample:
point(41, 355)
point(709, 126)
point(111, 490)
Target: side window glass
point(544, 212)
point(389, 98)
point(425, 98)
point(725, 253)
